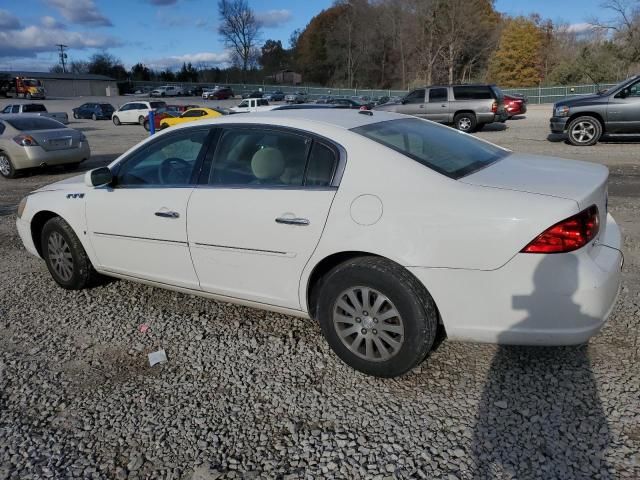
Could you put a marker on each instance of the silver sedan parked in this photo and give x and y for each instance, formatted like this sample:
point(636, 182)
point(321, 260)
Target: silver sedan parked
point(31, 141)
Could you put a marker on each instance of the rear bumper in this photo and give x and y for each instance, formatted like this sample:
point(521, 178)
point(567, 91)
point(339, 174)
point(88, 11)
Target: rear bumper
point(558, 124)
point(31, 157)
point(545, 300)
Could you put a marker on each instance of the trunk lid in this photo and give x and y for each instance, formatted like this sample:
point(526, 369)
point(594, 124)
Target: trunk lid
point(583, 182)
point(58, 139)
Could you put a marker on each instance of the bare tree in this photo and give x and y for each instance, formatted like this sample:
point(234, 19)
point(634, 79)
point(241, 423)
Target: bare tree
point(240, 31)
point(625, 27)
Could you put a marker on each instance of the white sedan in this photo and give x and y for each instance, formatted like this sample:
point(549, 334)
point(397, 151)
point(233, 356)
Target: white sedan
point(387, 229)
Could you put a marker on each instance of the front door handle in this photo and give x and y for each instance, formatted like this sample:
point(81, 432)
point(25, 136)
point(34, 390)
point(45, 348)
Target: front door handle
point(167, 214)
point(293, 221)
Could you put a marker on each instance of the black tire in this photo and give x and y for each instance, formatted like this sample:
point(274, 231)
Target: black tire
point(141, 120)
point(465, 122)
point(116, 121)
point(76, 116)
point(7, 170)
point(146, 126)
point(584, 131)
point(94, 117)
point(404, 292)
point(82, 273)
point(163, 126)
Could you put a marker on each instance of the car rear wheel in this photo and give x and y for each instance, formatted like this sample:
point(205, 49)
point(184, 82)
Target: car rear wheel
point(7, 169)
point(141, 120)
point(465, 122)
point(376, 316)
point(116, 121)
point(65, 257)
point(146, 125)
point(584, 131)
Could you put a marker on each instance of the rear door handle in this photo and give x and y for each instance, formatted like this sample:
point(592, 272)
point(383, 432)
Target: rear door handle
point(167, 214)
point(293, 221)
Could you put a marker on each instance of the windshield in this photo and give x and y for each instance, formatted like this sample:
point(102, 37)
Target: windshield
point(32, 83)
point(34, 123)
point(443, 149)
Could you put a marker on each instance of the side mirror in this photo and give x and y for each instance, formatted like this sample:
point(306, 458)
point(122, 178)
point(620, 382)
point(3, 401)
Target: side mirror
point(98, 177)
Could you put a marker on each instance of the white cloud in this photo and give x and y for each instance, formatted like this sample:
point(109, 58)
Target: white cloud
point(579, 27)
point(8, 21)
point(175, 61)
point(274, 18)
point(31, 40)
point(81, 11)
point(52, 23)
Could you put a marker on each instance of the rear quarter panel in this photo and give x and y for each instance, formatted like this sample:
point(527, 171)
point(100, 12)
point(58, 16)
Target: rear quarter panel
point(427, 219)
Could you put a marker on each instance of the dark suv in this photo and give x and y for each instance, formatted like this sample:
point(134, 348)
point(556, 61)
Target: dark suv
point(615, 111)
point(466, 107)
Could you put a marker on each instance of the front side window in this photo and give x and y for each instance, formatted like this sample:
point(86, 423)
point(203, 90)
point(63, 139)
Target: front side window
point(15, 109)
point(442, 149)
point(631, 91)
point(260, 157)
point(417, 96)
point(169, 161)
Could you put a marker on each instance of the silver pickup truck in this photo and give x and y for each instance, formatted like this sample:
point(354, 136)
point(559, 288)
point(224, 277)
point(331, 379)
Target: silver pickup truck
point(35, 109)
point(466, 107)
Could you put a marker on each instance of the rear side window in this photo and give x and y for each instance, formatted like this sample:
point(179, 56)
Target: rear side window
point(442, 149)
point(321, 166)
point(437, 95)
point(35, 107)
point(472, 92)
point(34, 123)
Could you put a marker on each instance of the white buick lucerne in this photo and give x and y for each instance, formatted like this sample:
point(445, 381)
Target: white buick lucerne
point(386, 229)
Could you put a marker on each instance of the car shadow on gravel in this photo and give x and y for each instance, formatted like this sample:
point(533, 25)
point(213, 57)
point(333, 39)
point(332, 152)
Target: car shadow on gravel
point(540, 415)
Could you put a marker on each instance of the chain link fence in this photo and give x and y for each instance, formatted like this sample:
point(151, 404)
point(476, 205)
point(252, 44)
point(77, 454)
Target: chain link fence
point(535, 95)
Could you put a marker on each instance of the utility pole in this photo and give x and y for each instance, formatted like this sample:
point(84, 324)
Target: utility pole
point(63, 57)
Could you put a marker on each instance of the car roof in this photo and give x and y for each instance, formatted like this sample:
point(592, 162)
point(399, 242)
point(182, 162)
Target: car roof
point(341, 118)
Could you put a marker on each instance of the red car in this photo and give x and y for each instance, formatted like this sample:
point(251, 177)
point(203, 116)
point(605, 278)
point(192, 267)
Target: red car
point(168, 111)
point(515, 104)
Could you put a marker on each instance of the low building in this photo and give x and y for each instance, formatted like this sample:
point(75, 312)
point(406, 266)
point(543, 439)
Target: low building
point(70, 84)
point(287, 77)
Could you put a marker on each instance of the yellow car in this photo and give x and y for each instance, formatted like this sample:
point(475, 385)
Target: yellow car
point(191, 115)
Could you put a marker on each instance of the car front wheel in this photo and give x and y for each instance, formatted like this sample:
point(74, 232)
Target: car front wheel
point(141, 120)
point(65, 257)
point(94, 117)
point(116, 121)
point(584, 131)
point(376, 316)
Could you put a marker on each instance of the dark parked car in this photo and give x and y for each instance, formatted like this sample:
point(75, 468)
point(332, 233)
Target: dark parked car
point(466, 107)
point(254, 94)
point(96, 111)
point(515, 104)
point(351, 103)
point(276, 96)
point(613, 112)
point(194, 91)
point(221, 94)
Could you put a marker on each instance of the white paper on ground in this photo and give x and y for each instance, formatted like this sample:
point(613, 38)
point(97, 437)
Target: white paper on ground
point(157, 357)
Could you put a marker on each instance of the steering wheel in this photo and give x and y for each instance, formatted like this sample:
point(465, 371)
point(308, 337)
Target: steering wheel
point(174, 171)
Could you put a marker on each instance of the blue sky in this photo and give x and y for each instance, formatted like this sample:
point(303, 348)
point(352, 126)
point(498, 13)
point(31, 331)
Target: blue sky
point(164, 33)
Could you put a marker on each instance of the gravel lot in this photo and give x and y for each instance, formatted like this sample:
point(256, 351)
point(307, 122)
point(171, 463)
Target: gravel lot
point(249, 394)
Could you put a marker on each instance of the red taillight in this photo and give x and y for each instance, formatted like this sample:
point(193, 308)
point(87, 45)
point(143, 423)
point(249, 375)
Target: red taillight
point(25, 141)
point(567, 235)
point(494, 107)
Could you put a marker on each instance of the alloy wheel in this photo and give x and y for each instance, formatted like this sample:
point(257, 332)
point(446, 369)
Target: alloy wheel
point(5, 166)
point(464, 124)
point(60, 256)
point(368, 324)
point(583, 132)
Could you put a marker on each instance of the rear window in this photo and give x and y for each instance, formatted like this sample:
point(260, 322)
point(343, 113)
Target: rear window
point(106, 106)
point(472, 92)
point(34, 123)
point(35, 107)
point(157, 105)
point(443, 149)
